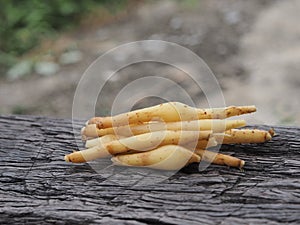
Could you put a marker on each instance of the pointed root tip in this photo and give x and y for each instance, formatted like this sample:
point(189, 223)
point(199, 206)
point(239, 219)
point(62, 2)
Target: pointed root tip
point(66, 158)
point(242, 164)
point(253, 108)
point(93, 120)
point(268, 136)
point(84, 138)
point(242, 123)
point(272, 132)
point(116, 161)
point(250, 109)
point(82, 131)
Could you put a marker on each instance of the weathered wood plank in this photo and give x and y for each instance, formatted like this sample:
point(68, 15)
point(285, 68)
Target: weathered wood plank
point(36, 185)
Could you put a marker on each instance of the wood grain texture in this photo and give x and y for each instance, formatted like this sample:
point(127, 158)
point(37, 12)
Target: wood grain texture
point(37, 186)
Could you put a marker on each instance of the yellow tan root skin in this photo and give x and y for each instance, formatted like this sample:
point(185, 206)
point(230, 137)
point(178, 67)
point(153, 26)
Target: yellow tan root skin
point(148, 141)
point(168, 157)
point(142, 142)
point(169, 112)
point(215, 125)
point(235, 136)
point(101, 140)
point(220, 159)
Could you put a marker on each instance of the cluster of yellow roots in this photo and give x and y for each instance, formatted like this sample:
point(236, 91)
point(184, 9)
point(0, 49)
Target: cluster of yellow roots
point(168, 136)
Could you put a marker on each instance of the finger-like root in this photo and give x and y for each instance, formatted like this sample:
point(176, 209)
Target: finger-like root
point(168, 157)
point(220, 159)
point(101, 140)
point(169, 112)
point(89, 131)
point(142, 142)
point(235, 136)
point(202, 144)
point(88, 154)
point(215, 125)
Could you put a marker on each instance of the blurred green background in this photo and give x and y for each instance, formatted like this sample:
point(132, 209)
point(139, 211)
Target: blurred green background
point(24, 23)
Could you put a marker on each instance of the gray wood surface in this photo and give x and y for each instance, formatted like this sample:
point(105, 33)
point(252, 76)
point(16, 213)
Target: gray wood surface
point(37, 186)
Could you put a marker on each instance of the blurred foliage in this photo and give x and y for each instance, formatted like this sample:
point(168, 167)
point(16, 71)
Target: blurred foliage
point(20, 110)
point(189, 4)
point(24, 22)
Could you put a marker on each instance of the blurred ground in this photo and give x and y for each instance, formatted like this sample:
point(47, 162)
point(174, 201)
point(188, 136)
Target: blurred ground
point(253, 48)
